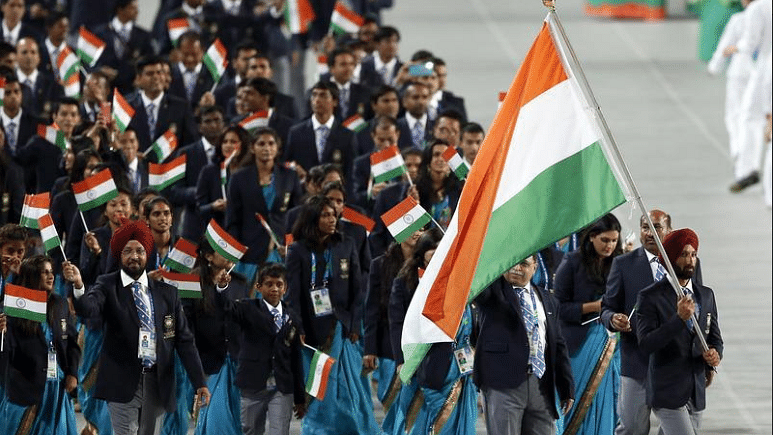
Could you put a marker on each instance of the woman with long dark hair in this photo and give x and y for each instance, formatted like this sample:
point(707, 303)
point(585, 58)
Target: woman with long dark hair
point(39, 365)
point(436, 189)
point(580, 283)
point(325, 288)
point(441, 398)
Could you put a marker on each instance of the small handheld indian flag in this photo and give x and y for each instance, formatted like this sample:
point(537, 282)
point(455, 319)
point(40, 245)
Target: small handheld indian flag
point(387, 164)
point(161, 176)
point(187, 285)
point(405, 218)
point(163, 146)
point(52, 134)
point(255, 121)
point(267, 227)
point(123, 112)
point(345, 20)
point(48, 233)
point(25, 303)
point(177, 27)
point(34, 207)
point(318, 373)
point(456, 162)
point(2, 90)
point(216, 59)
point(67, 63)
point(72, 86)
point(182, 257)
point(322, 66)
point(298, 16)
point(89, 46)
point(95, 190)
point(351, 215)
point(355, 123)
point(224, 243)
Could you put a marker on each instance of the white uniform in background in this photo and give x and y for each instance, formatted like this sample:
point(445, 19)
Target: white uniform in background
point(738, 67)
point(767, 176)
point(757, 37)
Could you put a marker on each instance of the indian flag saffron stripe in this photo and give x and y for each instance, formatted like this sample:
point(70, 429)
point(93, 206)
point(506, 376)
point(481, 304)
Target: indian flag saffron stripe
point(255, 121)
point(89, 46)
point(164, 146)
point(344, 20)
point(456, 162)
point(182, 257)
point(216, 59)
point(267, 227)
point(544, 156)
point(298, 16)
point(405, 218)
point(25, 303)
point(355, 123)
point(322, 67)
point(123, 112)
point(224, 243)
point(161, 176)
point(48, 233)
point(72, 86)
point(52, 134)
point(187, 285)
point(387, 164)
point(177, 27)
point(67, 63)
point(34, 207)
point(2, 91)
point(95, 190)
point(319, 372)
point(358, 218)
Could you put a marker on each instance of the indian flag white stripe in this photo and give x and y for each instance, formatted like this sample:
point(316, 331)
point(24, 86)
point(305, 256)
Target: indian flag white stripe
point(48, 233)
point(122, 111)
point(345, 20)
point(72, 86)
point(89, 46)
point(456, 162)
point(95, 190)
point(222, 245)
point(319, 372)
point(164, 145)
point(544, 156)
point(67, 63)
point(164, 175)
point(387, 164)
point(33, 208)
point(216, 59)
point(407, 224)
point(25, 303)
point(177, 27)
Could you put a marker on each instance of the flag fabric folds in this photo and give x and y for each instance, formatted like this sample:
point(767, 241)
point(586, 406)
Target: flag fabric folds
point(67, 63)
point(405, 218)
point(72, 86)
point(345, 20)
point(178, 26)
point(2, 90)
point(355, 123)
point(182, 257)
point(224, 243)
point(255, 121)
point(48, 233)
point(25, 303)
point(216, 60)
point(52, 134)
point(161, 176)
point(89, 47)
point(187, 285)
point(456, 162)
point(387, 164)
point(34, 207)
point(351, 215)
point(318, 373)
point(298, 16)
point(542, 173)
point(95, 190)
point(123, 112)
point(164, 146)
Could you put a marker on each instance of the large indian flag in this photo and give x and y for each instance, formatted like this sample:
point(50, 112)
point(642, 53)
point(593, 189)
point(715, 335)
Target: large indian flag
point(25, 303)
point(542, 173)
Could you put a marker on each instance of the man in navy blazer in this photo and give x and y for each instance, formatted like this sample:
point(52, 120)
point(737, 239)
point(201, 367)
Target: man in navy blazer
point(144, 325)
point(353, 97)
point(384, 133)
point(322, 139)
point(39, 88)
point(190, 77)
point(168, 112)
point(259, 95)
point(679, 369)
point(382, 66)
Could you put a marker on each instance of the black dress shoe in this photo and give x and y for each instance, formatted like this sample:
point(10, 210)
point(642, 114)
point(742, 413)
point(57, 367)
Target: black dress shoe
point(745, 182)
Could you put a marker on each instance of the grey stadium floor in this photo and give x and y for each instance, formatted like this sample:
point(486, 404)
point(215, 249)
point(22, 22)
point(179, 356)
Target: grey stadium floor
point(666, 114)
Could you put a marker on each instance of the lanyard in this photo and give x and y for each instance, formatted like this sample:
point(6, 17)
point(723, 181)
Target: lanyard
point(328, 268)
point(544, 270)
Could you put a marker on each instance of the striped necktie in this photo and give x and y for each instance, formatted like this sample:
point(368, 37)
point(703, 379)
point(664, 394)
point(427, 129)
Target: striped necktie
point(143, 311)
point(690, 293)
point(277, 319)
point(660, 272)
point(417, 134)
point(537, 352)
point(322, 133)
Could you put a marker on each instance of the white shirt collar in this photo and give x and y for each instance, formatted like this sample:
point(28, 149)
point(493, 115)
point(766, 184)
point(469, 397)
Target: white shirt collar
point(206, 144)
point(183, 69)
point(356, 75)
point(127, 280)
point(117, 25)
point(33, 77)
point(13, 33)
point(412, 121)
point(7, 120)
point(229, 4)
point(688, 286)
point(271, 307)
point(133, 164)
point(435, 100)
point(316, 124)
point(189, 11)
point(346, 85)
point(379, 64)
point(146, 100)
point(51, 47)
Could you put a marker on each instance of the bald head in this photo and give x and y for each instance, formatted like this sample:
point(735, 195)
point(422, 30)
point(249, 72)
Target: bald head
point(27, 55)
point(662, 226)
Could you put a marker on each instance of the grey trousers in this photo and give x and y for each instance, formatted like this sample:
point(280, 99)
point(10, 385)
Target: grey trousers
point(517, 411)
point(632, 408)
point(681, 421)
point(143, 414)
point(275, 405)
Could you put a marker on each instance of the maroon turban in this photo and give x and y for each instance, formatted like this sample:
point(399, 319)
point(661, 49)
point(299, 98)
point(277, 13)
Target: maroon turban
point(131, 230)
point(675, 242)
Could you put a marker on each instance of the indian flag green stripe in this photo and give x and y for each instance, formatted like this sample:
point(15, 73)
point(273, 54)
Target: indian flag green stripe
point(312, 366)
point(412, 228)
point(26, 314)
point(386, 176)
point(189, 294)
point(88, 205)
point(52, 242)
point(175, 265)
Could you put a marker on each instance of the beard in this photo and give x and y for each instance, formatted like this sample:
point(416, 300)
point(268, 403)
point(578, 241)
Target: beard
point(684, 272)
point(133, 269)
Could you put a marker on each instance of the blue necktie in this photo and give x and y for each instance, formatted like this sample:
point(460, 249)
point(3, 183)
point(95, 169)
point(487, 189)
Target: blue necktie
point(322, 133)
point(343, 101)
point(417, 134)
point(190, 83)
point(143, 311)
point(660, 272)
point(689, 293)
point(10, 136)
point(277, 319)
point(151, 111)
point(536, 359)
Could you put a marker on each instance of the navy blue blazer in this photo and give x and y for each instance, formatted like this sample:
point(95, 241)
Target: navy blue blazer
point(344, 286)
point(406, 140)
point(340, 147)
point(574, 288)
point(39, 100)
point(204, 82)
point(502, 354)
point(380, 238)
point(266, 351)
point(25, 359)
point(358, 104)
point(174, 113)
point(376, 338)
point(208, 190)
point(11, 193)
point(183, 193)
point(245, 198)
point(119, 367)
point(450, 101)
point(371, 78)
point(278, 121)
point(44, 157)
point(75, 231)
point(27, 128)
point(677, 370)
point(283, 104)
point(139, 45)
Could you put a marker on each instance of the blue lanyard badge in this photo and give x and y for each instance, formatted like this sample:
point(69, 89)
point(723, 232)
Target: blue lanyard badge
point(320, 296)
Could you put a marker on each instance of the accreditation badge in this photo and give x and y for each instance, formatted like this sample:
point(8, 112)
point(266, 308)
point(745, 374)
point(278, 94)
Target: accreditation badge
point(336, 156)
point(63, 328)
point(168, 327)
point(465, 358)
point(285, 202)
point(147, 344)
point(51, 372)
point(320, 300)
point(343, 266)
point(708, 323)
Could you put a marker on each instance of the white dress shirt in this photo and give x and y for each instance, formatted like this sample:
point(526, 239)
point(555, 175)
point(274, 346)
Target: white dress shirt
point(11, 35)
